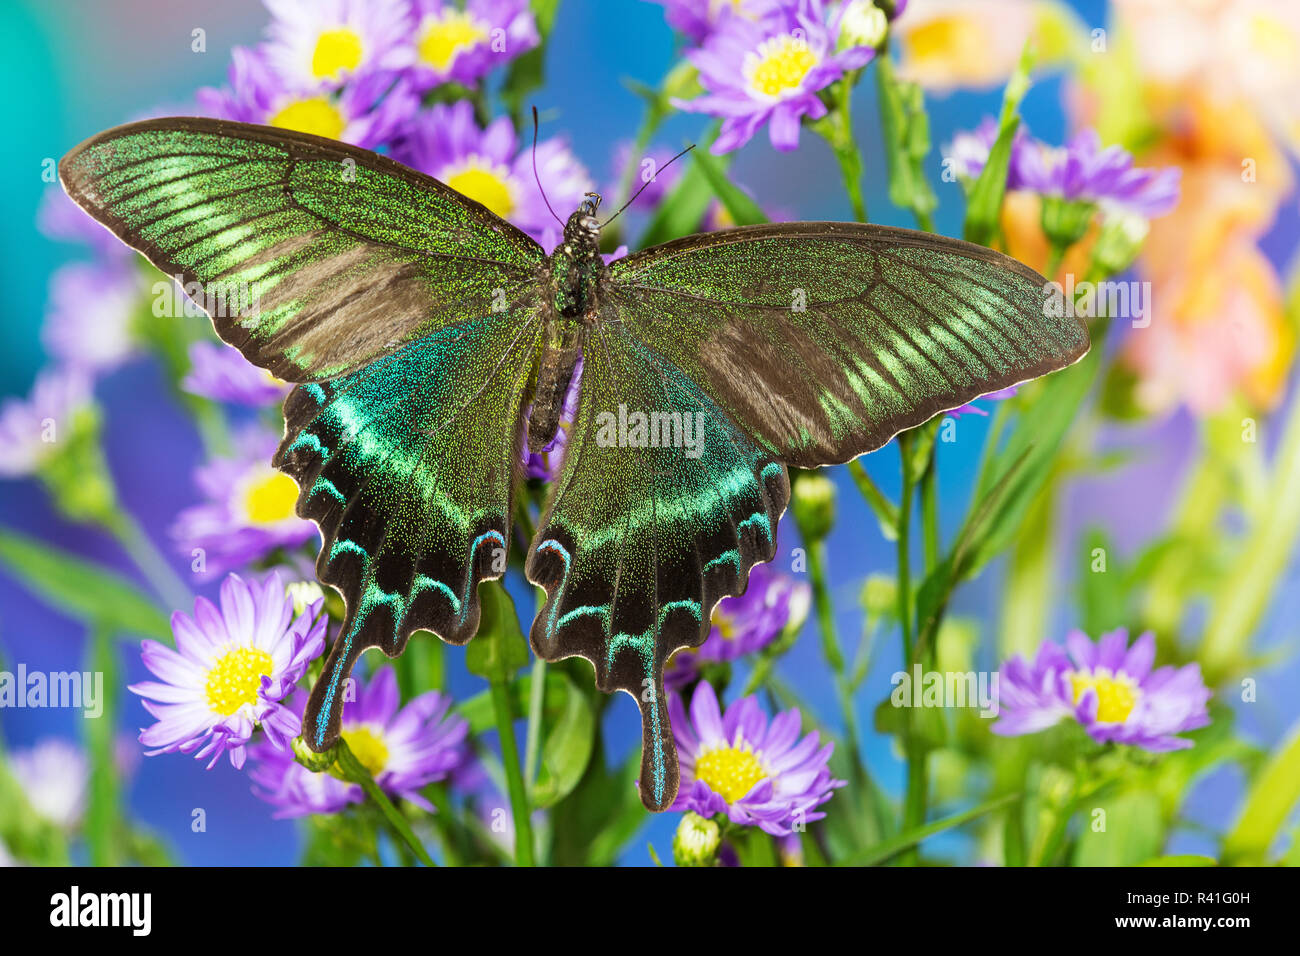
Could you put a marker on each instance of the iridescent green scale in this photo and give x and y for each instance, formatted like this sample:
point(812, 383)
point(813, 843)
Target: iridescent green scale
point(419, 327)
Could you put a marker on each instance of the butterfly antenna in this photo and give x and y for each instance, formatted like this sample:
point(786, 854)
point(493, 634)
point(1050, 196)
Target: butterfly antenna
point(645, 184)
point(539, 178)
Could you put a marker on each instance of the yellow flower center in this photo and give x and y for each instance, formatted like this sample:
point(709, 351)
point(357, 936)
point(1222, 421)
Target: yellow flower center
point(448, 35)
point(779, 64)
point(235, 678)
point(337, 51)
point(730, 772)
point(270, 499)
point(1117, 694)
point(313, 115)
point(368, 747)
point(725, 624)
point(484, 184)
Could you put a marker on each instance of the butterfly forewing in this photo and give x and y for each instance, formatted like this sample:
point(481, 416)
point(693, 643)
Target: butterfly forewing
point(334, 255)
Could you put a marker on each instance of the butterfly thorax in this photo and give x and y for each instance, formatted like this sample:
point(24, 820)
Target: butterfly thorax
point(572, 276)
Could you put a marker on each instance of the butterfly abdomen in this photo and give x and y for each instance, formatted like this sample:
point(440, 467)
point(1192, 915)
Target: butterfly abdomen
point(561, 350)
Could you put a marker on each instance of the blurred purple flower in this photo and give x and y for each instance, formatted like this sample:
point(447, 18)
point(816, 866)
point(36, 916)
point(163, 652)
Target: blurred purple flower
point(221, 373)
point(971, 408)
point(758, 774)
point(53, 775)
point(1083, 170)
point(464, 45)
point(367, 111)
point(770, 71)
point(648, 172)
point(249, 511)
point(230, 672)
point(91, 309)
point(315, 42)
point(60, 218)
point(404, 749)
point(483, 164)
point(697, 18)
point(546, 464)
point(31, 429)
point(1107, 687)
point(1079, 170)
point(745, 624)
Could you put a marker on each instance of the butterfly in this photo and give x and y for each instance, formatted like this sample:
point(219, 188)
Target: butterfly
point(430, 341)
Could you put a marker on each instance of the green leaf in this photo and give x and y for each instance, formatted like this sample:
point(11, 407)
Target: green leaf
point(81, 589)
point(906, 132)
point(569, 738)
point(499, 649)
point(527, 72)
point(1135, 831)
point(1273, 793)
point(887, 849)
point(681, 213)
point(743, 210)
point(984, 201)
point(1187, 859)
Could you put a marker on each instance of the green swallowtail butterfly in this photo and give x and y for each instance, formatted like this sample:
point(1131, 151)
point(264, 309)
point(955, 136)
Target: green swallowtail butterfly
point(420, 328)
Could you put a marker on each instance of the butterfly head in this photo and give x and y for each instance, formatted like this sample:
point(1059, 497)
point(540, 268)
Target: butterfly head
point(582, 231)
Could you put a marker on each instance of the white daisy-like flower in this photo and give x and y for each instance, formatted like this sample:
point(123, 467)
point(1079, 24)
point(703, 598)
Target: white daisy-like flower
point(230, 671)
point(325, 42)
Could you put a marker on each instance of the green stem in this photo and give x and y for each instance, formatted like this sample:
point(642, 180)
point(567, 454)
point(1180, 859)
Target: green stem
point(930, 511)
point(536, 700)
point(837, 129)
point(355, 772)
point(871, 493)
point(917, 779)
point(150, 561)
point(103, 819)
point(514, 777)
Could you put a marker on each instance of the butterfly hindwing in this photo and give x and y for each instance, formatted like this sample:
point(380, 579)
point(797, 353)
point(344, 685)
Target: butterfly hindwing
point(314, 257)
point(407, 465)
point(661, 508)
point(824, 340)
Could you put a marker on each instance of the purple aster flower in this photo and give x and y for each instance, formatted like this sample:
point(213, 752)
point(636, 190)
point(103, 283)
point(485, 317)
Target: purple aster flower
point(31, 429)
point(1082, 170)
point(221, 373)
point(758, 774)
point(697, 18)
point(485, 165)
point(546, 463)
point(770, 71)
point(970, 408)
point(404, 748)
point(744, 624)
point(1108, 687)
point(315, 42)
point(60, 218)
point(231, 670)
point(463, 45)
point(53, 775)
point(92, 305)
point(367, 111)
point(249, 511)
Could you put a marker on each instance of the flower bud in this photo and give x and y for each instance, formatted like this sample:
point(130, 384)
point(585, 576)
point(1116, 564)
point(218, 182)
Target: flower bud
point(304, 594)
point(862, 24)
point(696, 841)
point(309, 758)
point(814, 505)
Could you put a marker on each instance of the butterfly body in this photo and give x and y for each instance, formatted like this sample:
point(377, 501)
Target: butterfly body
point(418, 327)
